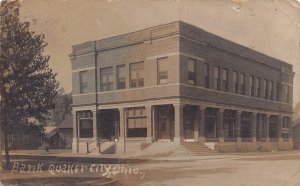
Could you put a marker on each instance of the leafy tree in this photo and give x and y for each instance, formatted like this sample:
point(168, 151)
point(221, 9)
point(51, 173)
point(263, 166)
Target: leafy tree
point(28, 85)
point(63, 106)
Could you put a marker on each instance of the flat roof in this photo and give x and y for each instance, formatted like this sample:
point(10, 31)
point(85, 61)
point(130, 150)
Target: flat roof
point(178, 27)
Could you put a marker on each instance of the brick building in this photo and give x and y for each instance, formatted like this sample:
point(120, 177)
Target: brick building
point(177, 83)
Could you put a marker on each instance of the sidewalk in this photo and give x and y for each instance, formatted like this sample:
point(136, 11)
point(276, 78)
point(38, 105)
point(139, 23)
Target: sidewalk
point(67, 155)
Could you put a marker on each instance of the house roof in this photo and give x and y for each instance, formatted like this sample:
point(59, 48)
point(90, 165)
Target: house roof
point(50, 131)
point(67, 123)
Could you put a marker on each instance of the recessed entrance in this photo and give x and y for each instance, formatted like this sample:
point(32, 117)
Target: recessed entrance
point(108, 124)
point(165, 122)
point(189, 123)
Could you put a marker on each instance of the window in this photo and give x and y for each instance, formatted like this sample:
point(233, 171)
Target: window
point(242, 84)
point(246, 125)
point(121, 77)
point(285, 122)
point(229, 124)
point(206, 75)
point(85, 124)
point(217, 78)
point(106, 79)
point(136, 122)
point(83, 81)
point(162, 67)
point(211, 123)
point(285, 125)
point(273, 127)
point(192, 71)
point(278, 95)
point(257, 90)
point(251, 86)
point(265, 89)
point(137, 74)
point(271, 90)
point(225, 79)
point(235, 82)
point(287, 94)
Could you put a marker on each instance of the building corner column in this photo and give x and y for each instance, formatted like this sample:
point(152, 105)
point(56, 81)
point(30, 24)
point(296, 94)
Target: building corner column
point(95, 127)
point(253, 126)
point(202, 124)
point(238, 126)
point(121, 146)
point(196, 125)
point(267, 128)
point(75, 133)
point(178, 138)
point(221, 127)
point(279, 129)
point(149, 111)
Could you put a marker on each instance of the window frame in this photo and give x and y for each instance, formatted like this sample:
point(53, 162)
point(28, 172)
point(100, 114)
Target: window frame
point(118, 76)
point(83, 85)
point(271, 92)
point(235, 81)
point(265, 86)
point(191, 73)
point(159, 72)
point(251, 84)
point(287, 93)
point(243, 83)
point(106, 72)
point(206, 75)
point(217, 74)
point(225, 81)
point(139, 73)
point(257, 88)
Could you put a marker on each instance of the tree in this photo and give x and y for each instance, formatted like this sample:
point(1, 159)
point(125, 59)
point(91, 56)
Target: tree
point(63, 106)
point(28, 85)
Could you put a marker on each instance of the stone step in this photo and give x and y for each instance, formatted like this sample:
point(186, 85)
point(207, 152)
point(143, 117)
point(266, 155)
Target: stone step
point(194, 149)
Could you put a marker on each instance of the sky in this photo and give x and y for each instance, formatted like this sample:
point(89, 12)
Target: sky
point(268, 26)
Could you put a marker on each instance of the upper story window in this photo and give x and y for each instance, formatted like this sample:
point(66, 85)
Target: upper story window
point(225, 79)
point(278, 94)
point(235, 82)
point(162, 67)
point(265, 89)
point(271, 90)
point(106, 79)
point(137, 75)
point(251, 85)
point(121, 77)
point(217, 78)
point(287, 93)
point(192, 71)
point(83, 82)
point(206, 75)
point(242, 84)
point(257, 90)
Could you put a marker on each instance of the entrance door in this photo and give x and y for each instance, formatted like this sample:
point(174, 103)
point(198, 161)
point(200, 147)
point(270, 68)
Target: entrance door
point(164, 123)
point(188, 124)
point(107, 125)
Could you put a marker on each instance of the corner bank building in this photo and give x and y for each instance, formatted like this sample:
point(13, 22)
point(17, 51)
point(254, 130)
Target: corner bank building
point(176, 84)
